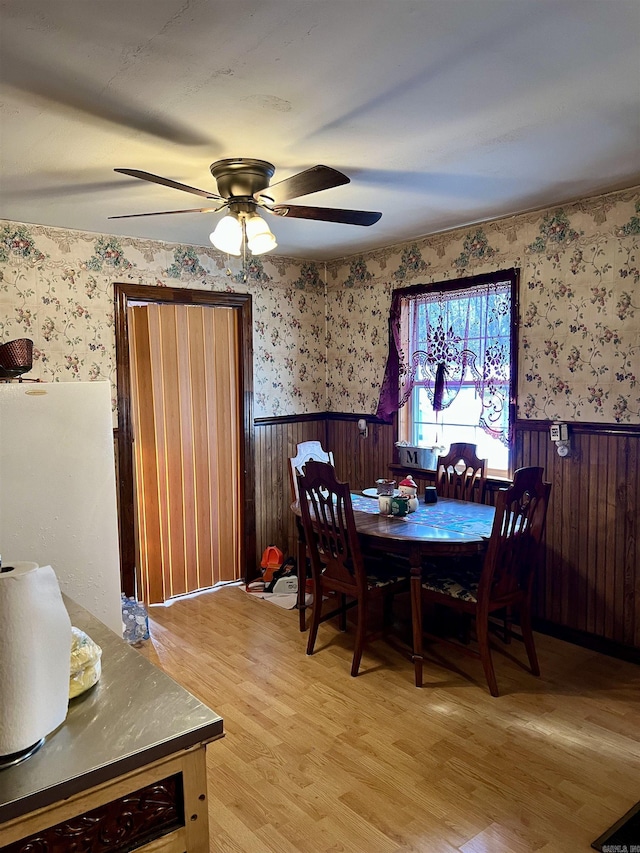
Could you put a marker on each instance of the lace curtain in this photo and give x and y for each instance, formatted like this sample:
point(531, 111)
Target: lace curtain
point(443, 339)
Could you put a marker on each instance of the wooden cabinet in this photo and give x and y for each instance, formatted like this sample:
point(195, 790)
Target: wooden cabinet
point(125, 771)
point(161, 807)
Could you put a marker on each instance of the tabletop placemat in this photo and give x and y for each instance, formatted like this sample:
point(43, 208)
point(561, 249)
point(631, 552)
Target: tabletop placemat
point(460, 516)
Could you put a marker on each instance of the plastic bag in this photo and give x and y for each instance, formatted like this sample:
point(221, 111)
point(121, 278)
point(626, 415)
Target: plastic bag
point(135, 621)
point(86, 664)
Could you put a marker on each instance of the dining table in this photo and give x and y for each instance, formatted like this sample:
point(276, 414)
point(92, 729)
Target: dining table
point(446, 528)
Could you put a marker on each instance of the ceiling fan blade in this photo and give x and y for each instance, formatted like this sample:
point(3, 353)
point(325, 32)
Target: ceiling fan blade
point(327, 214)
point(166, 212)
point(156, 179)
point(310, 181)
point(38, 78)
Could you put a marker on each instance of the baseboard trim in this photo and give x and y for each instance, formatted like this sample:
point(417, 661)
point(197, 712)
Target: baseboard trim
point(603, 645)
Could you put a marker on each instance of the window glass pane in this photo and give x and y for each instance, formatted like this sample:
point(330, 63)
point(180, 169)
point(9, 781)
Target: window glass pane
point(469, 332)
point(457, 423)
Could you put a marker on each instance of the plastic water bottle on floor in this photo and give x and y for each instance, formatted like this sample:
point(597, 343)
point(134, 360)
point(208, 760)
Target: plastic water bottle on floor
point(135, 621)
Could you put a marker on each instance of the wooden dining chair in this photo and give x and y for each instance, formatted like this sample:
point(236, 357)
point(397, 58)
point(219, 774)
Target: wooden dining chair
point(339, 570)
point(306, 451)
point(460, 474)
point(505, 579)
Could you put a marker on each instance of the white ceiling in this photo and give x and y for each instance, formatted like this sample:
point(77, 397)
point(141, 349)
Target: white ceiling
point(442, 112)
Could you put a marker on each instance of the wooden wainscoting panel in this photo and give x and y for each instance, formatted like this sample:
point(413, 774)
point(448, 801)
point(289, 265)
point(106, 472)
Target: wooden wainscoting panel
point(628, 494)
point(360, 461)
point(272, 489)
point(275, 443)
point(589, 579)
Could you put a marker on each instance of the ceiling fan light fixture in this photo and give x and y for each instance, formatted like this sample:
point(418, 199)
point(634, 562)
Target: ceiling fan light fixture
point(262, 244)
point(244, 184)
point(260, 239)
point(227, 235)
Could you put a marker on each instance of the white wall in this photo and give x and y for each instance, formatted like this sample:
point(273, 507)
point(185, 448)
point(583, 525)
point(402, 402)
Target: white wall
point(57, 488)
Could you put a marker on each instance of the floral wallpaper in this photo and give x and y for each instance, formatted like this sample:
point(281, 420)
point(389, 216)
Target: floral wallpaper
point(579, 342)
point(56, 287)
point(320, 332)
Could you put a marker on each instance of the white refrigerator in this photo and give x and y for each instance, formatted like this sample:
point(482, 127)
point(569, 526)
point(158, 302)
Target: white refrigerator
point(58, 502)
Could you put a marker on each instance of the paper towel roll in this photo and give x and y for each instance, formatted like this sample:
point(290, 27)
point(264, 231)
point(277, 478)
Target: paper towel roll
point(35, 655)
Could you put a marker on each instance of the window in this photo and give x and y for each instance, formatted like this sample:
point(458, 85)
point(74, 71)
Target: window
point(456, 353)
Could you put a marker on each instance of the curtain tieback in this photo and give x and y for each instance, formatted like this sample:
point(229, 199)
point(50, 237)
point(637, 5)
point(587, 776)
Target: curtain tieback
point(438, 388)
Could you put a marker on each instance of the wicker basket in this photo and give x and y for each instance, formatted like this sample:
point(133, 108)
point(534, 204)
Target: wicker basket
point(16, 357)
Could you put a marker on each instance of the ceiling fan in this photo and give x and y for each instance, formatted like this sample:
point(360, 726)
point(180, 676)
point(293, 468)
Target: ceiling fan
point(244, 188)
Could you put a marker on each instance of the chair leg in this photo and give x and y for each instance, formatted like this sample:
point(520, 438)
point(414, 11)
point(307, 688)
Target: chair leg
point(387, 611)
point(343, 612)
point(302, 584)
point(416, 622)
point(508, 622)
point(464, 632)
point(527, 636)
point(360, 635)
point(316, 612)
point(482, 630)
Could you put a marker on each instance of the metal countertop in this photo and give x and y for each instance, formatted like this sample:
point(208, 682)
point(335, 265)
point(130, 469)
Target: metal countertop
point(133, 716)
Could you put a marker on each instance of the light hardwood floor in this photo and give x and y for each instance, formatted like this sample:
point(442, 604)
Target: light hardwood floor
point(316, 761)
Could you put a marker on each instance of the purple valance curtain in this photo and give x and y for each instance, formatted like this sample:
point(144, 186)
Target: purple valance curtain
point(459, 335)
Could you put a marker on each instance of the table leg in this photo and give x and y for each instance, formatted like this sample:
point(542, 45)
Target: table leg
point(302, 577)
point(416, 616)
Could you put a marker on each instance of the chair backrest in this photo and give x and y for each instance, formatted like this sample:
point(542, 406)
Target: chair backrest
point(305, 452)
point(329, 528)
point(460, 474)
point(521, 512)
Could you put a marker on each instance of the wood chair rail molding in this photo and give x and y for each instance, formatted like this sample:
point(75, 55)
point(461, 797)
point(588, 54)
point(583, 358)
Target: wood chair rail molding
point(520, 424)
point(581, 427)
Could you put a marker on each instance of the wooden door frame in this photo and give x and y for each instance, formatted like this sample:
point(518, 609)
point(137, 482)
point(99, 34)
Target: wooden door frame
point(240, 302)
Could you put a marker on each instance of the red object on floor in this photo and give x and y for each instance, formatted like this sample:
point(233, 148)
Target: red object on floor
point(272, 559)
